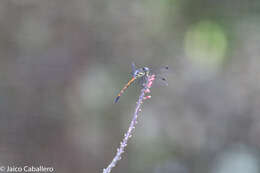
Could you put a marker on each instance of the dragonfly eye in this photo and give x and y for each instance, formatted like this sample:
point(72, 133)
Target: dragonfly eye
point(146, 69)
point(139, 74)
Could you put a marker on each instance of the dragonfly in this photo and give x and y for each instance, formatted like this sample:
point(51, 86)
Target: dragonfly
point(141, 74)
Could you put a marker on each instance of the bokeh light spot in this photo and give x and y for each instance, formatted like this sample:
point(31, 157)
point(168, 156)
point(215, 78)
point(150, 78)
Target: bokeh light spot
point(206, 44)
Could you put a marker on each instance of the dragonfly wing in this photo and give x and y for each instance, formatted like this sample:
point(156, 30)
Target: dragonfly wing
point(133, 68)
point(160, 76)
point(162, 81)
point(141, 81)
point(161, 71)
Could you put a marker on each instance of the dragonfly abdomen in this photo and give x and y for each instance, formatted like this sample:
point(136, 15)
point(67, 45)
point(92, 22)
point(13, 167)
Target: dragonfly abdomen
point(123, 90)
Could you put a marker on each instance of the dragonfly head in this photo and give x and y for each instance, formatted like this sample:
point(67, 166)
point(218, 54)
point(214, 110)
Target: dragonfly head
point(146, 70)
point(141, 72)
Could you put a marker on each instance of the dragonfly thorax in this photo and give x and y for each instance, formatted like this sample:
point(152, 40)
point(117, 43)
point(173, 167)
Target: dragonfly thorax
point(141, 72)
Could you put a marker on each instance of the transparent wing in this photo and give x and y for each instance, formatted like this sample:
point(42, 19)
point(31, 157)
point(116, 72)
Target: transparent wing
point(160, 76)
point(141, 81)
point(133, 68)
point(161, 71)
point(161, 81)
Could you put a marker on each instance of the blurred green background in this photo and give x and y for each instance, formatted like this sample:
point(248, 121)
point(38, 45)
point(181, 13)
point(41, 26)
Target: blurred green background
point(63, 62)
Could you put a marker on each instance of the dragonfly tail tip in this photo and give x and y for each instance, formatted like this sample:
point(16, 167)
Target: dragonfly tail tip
point(117, 98)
